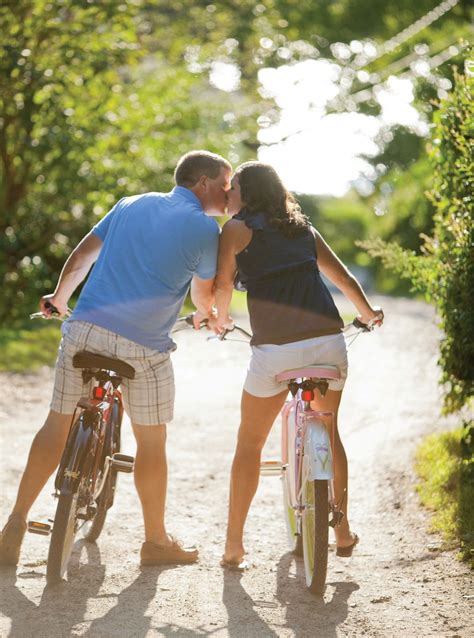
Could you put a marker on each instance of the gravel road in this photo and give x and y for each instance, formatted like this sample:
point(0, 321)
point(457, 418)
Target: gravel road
point(398, 583)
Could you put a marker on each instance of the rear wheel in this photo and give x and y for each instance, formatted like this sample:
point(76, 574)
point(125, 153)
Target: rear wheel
point(95, 524)
point(62, 537)
point(315, 528)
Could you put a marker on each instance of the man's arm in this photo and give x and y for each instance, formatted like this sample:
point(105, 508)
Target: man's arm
point(74, 271)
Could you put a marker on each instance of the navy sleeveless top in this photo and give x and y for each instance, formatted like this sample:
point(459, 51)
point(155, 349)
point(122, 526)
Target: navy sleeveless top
point(286, 297)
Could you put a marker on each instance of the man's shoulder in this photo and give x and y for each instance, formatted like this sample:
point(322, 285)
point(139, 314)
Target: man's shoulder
point(202, 226)
point(150, 197)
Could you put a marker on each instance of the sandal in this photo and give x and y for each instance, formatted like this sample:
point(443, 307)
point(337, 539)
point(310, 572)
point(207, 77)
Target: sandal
point(346, 552)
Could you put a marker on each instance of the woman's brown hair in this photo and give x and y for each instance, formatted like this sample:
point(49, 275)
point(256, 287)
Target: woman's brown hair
point(262, 191)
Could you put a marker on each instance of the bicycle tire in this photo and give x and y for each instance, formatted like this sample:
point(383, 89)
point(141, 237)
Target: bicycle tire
point(62, 538)
point(315, 528)
point(295, 541)
point(287, 450)
point(93, 530)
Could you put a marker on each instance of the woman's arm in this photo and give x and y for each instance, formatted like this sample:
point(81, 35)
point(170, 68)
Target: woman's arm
point(234, 237)
point(333, 268)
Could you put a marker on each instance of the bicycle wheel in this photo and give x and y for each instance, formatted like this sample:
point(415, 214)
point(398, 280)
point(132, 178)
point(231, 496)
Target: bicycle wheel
point(315, 527)
point(73, 474)
point(96, 517)
point(288, 434)
point(62, 537)
point(294, 538)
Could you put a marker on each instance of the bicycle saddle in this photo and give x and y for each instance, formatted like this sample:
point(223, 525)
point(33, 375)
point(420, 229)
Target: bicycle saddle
point(310, 372)
point(86, 359)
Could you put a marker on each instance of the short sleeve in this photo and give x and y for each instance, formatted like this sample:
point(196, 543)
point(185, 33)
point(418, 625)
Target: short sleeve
point(207, 265)
point(102, 227)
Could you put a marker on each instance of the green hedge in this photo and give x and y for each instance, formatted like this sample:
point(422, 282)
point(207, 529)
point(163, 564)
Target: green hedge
point(444, 273)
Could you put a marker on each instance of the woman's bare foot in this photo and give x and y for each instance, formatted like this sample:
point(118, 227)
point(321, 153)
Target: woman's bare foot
point(346, 540)
point(344, 536)
point(234, 552)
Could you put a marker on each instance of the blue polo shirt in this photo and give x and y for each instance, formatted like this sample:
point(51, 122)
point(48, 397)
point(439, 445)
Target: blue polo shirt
point(153, 245)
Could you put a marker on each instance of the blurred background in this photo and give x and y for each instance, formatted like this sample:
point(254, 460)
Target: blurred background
point(99, 99)
point(363, 106)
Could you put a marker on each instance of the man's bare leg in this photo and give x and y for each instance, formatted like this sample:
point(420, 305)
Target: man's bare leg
point(45, 454)
point(151, 479)
point(43, 459)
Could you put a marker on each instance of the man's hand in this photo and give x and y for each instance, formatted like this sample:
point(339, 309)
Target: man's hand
point(199, 318)
point(53, 300)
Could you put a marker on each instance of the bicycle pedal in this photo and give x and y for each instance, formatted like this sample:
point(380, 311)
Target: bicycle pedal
point(270, 468)
point(122, 463)
point(35, 527)
point(336, 519)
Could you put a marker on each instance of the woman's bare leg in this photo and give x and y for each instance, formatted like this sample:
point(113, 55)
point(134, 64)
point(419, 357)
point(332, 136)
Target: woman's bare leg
point(331, 403)
point(258, 416)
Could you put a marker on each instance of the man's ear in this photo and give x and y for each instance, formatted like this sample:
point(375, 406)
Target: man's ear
point(202, 182)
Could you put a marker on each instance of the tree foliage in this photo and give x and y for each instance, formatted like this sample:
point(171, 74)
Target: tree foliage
point(99, 99)
point(445, 272)
point(87, 118)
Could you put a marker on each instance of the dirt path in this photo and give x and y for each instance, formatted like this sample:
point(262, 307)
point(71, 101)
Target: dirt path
point(397, 584)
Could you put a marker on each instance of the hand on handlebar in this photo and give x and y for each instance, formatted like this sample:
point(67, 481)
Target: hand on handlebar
point(223, 325)
point(373, 318)
point(51, 307)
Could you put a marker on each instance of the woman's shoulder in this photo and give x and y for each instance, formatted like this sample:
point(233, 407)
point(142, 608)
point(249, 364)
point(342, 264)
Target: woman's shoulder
point(253, 220)
point(237, 234)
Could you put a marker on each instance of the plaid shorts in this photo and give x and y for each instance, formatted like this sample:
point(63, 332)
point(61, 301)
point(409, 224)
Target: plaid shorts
point(148, 398)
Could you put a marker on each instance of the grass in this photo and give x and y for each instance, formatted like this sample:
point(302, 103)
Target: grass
point(28, 349)
point(445, 464)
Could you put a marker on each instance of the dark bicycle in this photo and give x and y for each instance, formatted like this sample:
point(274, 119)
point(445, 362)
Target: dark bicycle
point(86, 478)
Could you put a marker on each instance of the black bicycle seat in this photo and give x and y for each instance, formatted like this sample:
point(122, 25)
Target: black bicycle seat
point(91, 360)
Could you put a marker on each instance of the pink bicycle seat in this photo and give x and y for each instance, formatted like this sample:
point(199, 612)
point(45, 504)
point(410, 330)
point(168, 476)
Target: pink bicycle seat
point(310, 372)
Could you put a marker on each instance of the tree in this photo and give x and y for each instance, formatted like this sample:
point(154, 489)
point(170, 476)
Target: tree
point(86, 118)
point(445, 272)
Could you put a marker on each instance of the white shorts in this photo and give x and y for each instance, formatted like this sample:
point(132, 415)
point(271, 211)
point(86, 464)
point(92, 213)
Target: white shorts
point(268, 360)
point(148, 398)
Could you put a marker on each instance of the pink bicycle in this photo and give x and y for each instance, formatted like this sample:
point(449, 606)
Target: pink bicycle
point(306, 466)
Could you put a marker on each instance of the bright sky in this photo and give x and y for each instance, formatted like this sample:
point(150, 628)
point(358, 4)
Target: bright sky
point(322, 153)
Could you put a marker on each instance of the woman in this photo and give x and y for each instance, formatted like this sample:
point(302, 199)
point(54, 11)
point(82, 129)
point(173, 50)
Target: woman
point(273, 250)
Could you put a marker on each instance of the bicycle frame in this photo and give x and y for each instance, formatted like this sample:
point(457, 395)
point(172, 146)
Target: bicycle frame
point(307, 448)
point(88, 433)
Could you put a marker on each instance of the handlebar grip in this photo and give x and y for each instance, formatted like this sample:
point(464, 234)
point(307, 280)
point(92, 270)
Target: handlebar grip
point(49, 306)
point(357, 323)
point(189, 321)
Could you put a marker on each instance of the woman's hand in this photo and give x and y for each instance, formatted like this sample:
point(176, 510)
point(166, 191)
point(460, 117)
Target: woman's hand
point(222, 323)
point(372, 317)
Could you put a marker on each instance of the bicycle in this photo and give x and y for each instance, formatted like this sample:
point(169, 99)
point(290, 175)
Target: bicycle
point(306, 466)
point(86, 479)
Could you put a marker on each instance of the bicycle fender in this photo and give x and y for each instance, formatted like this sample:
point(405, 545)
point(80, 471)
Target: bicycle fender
point(71, 474)
point(317, 450)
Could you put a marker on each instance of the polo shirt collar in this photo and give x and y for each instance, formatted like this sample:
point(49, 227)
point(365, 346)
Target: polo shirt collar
point(187, 194)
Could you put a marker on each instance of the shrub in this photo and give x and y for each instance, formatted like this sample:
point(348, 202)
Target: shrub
point(444, 273)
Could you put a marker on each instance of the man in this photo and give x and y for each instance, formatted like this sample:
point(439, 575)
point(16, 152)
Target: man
point(148, 251)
